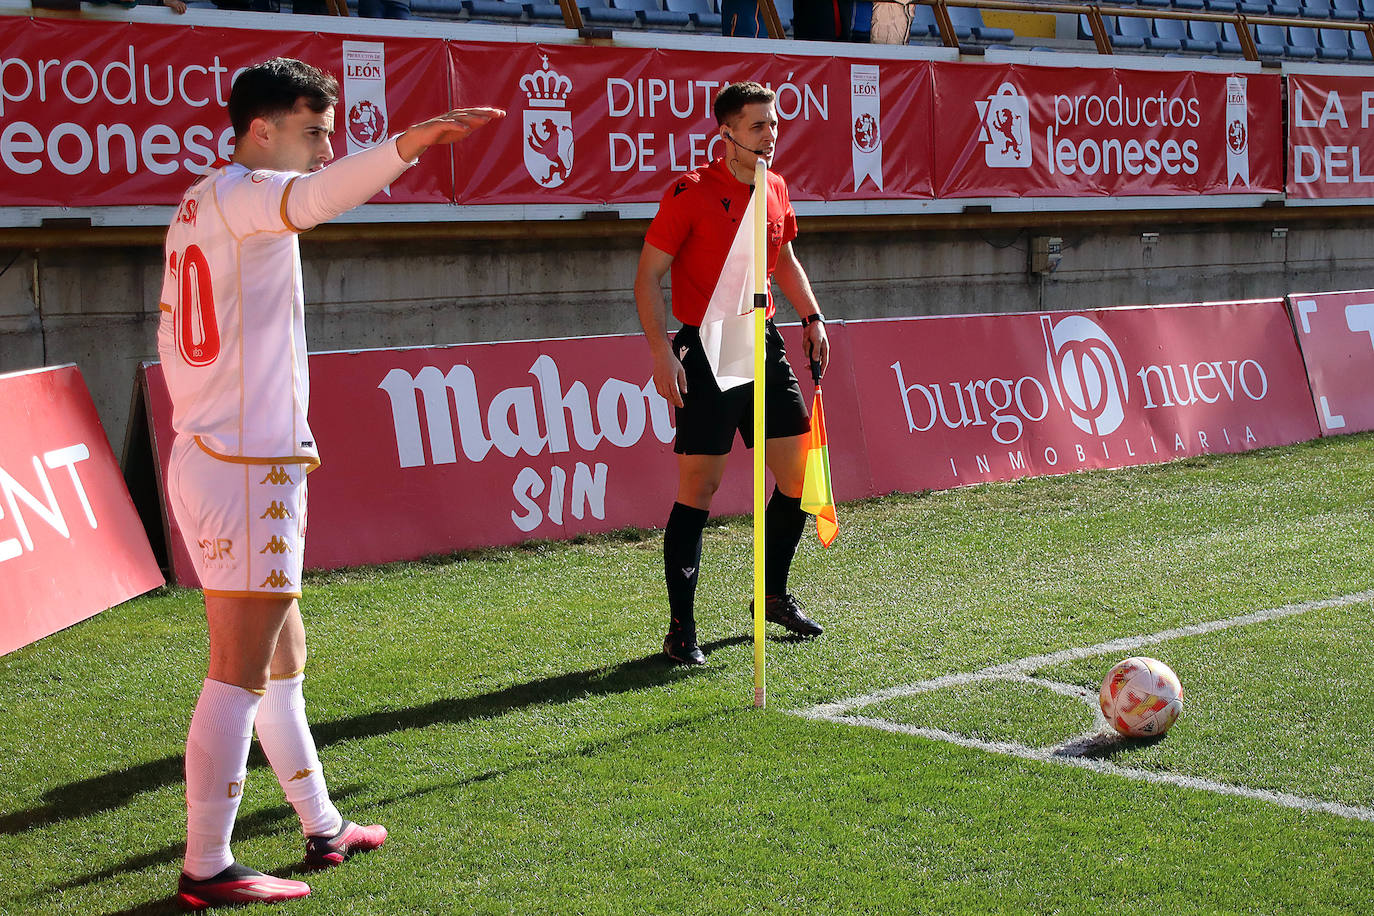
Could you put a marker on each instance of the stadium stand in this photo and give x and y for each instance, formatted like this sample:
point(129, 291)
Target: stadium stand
point(652, 16)
point(698, 11)
point(600, 12)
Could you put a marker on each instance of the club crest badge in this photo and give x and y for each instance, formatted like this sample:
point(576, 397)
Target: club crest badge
point(547, 138)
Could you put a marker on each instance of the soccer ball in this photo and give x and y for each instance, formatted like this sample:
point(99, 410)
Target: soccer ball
point(1141, 697)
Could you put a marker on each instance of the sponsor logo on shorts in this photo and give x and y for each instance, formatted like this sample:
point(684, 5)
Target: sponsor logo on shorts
point(276, 545)
point(276, 509)
point(217, 548)
point(275, 579)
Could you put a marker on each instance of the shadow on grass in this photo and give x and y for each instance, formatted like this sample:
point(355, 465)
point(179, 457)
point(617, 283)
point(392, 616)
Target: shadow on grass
point(114, 789)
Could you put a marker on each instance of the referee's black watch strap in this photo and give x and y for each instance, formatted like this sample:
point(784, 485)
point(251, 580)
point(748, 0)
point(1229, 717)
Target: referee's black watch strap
point(812, 319)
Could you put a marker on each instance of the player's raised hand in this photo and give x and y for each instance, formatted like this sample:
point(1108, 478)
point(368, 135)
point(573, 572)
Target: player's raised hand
point(451, 127)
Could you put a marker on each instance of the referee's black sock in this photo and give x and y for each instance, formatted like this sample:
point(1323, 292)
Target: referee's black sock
point(682, 562)
point(784, 521)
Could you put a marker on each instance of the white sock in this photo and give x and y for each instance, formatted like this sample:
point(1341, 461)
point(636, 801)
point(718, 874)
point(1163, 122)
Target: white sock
point(290, 748)
point(216, 765)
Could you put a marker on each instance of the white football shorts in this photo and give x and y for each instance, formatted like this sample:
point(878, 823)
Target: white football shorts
point(243, 523)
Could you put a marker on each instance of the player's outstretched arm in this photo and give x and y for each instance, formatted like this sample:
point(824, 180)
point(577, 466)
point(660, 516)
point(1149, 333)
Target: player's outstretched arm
point(452, 127)
point(352, 181)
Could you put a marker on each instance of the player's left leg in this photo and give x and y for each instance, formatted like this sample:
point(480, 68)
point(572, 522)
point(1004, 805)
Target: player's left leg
point(784, 523)
point(284, 733)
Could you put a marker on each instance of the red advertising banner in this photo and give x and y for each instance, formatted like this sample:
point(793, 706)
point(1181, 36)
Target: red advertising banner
point(435, 449)
point(96, 113)
point(1336, 333)
point(1015, 130)
point(1330, 136)
point(952, 401)
point(71, 543)
point(599, 124)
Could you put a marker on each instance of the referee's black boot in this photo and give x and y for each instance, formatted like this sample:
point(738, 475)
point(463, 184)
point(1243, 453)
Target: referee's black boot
point(786, 611)
point(681, 647)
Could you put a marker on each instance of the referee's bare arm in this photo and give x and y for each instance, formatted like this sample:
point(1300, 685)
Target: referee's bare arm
point(669, 377)
point(793, 282)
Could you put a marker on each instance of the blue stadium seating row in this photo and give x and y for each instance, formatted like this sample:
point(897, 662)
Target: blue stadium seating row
point(1211, 38)
point(1310, 9)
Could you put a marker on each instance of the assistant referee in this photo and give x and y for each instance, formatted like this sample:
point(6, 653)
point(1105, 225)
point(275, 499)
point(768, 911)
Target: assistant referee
point(691, 235)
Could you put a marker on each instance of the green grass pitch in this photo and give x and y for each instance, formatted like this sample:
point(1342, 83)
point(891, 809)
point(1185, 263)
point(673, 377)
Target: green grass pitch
point(507, 716)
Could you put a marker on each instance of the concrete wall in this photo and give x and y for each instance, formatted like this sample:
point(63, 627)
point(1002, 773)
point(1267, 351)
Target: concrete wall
point(97, 307)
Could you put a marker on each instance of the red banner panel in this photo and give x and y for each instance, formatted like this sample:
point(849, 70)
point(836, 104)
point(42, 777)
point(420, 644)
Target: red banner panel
point(952, 401)
point(71, 543)
point(109, 113)
point(1016, 130)
point(429, 450)
point(1336, 333)
point(1330, 136)
point(600, 124)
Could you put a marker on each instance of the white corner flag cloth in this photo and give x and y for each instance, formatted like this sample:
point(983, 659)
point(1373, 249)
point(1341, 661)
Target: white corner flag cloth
point(727, 327)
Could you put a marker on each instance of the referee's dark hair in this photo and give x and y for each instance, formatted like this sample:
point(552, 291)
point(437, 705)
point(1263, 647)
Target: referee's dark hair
point(735, 96)
point(272, 88)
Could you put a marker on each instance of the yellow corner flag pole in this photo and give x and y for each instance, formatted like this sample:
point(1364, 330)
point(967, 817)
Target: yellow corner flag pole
point(760, 312)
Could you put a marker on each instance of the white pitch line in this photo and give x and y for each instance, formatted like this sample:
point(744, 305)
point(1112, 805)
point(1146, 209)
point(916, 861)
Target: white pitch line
point(1124, 644)
point(1040, 755)
point(1070, 753)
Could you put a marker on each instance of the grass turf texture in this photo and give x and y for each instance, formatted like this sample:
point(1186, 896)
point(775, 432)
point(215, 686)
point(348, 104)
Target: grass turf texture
point(506, 716)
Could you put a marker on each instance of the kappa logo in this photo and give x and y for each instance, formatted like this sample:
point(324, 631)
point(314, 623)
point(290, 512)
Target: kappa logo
point(1004, 128)
point(276, 545)
point(548, 133)
point(277, 476)
point(301, 774)
point(275, 579)
point(1086, 372)
point(277, 510)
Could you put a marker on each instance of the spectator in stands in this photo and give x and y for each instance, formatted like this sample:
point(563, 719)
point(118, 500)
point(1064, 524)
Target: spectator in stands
point(823, 20)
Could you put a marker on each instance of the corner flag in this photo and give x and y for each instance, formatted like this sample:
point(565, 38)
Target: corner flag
point(817, 497)
point(727, 327)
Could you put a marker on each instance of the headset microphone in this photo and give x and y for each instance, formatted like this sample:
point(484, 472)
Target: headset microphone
point(731, 137)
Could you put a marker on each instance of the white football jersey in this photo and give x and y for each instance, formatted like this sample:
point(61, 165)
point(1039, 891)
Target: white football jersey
point(232, 334)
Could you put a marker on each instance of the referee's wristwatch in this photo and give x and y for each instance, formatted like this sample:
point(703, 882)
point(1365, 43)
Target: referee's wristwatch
point(812, 319)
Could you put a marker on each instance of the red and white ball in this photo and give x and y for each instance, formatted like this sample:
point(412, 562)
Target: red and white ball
point(1141, 697)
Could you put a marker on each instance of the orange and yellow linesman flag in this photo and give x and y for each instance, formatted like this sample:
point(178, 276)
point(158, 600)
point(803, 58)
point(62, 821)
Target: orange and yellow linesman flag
point(817, 497)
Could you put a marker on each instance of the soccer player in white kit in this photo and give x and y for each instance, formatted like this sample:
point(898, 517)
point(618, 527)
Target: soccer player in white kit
point(232, 344)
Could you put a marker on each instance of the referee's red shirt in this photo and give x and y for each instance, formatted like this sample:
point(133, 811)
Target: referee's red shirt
point(696, 222)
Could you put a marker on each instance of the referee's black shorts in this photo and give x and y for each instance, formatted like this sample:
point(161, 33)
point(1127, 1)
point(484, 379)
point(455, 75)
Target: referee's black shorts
point(709, 418)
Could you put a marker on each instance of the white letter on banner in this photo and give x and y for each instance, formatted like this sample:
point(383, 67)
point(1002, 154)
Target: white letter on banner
point(364, 96)
point(1237, 132)
point(1360, 319)
point(866, 117)
point(67, 458)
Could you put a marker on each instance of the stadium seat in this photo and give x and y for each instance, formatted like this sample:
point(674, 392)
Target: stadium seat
point(1270, 40)
point(1221, 6)
point(1302, 43)
point(1253, 7)
point(1345, 9)
point(498, 10)
point(968, 21)
point(1203, 36)
point(602, 13)
point(1130, 32)
point(923, 22)
point(1168, 35)
point(1164, 3)
point(1284, 8)
point(1359, 47)
point(1188, 4)
point(699, 11)
point(1367, 9)
point(653, 16)
point(544, 11)
point(1316, 9)
point(1333, 44)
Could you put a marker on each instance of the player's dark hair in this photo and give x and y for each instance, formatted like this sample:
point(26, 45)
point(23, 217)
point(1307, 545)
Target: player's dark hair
point(272, 88)
point(735, 96)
